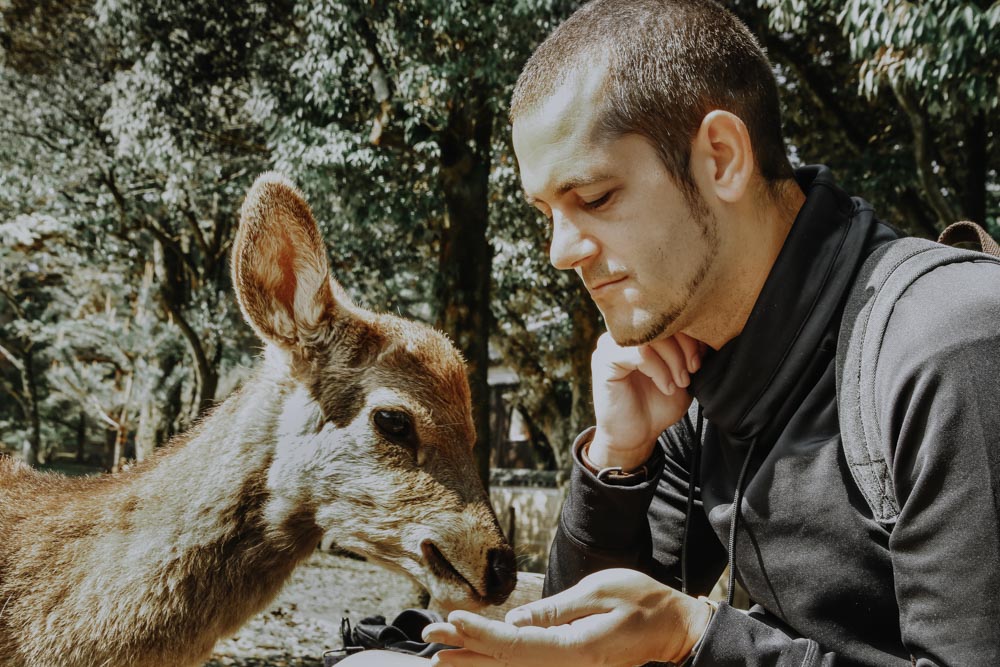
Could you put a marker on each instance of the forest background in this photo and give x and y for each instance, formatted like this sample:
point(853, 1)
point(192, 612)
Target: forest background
point(130, 131)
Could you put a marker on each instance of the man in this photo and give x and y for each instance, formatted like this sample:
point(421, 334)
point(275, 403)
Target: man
point(647, 131)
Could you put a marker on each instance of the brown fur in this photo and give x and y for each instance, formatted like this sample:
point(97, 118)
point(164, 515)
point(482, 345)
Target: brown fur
point(152, 566)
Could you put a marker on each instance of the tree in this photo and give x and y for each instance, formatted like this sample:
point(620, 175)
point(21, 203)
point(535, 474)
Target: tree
point(899, 97)
point(391, 120)
point(389, 115)
point(131, 124)
point(130, 130)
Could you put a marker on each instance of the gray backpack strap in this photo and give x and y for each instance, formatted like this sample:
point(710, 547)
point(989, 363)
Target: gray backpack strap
point(885, 275)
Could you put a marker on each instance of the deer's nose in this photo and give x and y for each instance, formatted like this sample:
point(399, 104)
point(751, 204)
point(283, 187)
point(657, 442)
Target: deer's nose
point(501, 574)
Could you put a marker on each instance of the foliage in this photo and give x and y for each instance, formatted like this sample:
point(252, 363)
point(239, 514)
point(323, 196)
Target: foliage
point(137, 162)
point(393, 119)
point(130, 130)
point(900, 97)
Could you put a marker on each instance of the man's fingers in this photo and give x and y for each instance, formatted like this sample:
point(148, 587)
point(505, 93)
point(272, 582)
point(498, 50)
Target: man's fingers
point(476, 629)
point(488, 637)
point(671, 354)
point(443, 633)
point(507, 643)
point(559, 609)
point(653, 367)
point(692, 350)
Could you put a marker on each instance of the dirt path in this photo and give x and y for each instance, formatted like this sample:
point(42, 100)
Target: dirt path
point(305, 619)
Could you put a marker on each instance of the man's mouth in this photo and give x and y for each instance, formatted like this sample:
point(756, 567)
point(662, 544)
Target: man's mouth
point(605, 284)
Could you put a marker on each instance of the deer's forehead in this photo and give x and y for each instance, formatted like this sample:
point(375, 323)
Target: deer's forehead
point(439, 397)
point(425, 361)
point(416, 362)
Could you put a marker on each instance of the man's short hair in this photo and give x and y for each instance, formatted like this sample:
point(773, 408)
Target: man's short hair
point(670, 62)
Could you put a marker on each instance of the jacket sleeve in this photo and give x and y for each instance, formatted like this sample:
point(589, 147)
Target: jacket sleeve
point(736, 638)
point(604, 526)
point(937, 388)
point(640, 527)
point(601, 525)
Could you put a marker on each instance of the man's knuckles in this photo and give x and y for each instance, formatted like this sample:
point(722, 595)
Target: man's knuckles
point(548, 615)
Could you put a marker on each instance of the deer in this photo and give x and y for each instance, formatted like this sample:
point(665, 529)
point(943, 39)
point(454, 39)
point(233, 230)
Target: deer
point(354, 424)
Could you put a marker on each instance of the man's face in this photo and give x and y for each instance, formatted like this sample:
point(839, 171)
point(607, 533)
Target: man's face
point(617, 218)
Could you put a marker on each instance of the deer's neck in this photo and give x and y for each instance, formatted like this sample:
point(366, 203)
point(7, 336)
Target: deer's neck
point(185, 551)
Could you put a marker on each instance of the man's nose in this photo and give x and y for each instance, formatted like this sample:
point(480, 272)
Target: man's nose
point(569, 246)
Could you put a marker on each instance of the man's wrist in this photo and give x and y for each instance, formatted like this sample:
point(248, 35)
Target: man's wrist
point(712, 608)
point(602, 453)
point(705, 610)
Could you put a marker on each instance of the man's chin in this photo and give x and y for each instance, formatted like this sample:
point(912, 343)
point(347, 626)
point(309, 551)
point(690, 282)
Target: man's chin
point(631, 334)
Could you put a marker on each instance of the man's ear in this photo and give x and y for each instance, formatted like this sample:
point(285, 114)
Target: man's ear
point(279, 266)
point(722, 156)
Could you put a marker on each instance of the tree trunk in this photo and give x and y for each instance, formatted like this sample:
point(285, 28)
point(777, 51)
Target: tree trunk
point(174, 292)
point(466, 256)
point(914, 214)
point(121, 433)
point(81, 437)
point(587, 328)
point(923, 148)
point(110, 438)
point(32, 451)
point(976, 168)
point(146, 430)
point(562, 422)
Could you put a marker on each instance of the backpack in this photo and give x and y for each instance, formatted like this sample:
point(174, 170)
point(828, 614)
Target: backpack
point(884, 276)
point(374, 633)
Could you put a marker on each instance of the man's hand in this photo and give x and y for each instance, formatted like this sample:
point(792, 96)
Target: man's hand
point(612, 617)
point(638, 392)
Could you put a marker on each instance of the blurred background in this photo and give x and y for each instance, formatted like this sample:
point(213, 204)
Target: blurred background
point(130, 130)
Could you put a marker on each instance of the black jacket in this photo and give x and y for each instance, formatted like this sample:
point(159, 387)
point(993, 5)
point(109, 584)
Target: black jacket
point(830, 585)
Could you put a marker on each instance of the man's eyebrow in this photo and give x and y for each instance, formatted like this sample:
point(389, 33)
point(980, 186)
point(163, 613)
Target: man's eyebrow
point(573, 183)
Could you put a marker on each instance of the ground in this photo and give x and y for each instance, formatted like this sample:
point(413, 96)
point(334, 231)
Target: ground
point(304, 620)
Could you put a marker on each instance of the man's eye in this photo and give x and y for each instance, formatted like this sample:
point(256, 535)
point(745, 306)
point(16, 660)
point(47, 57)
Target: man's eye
point(597, 203)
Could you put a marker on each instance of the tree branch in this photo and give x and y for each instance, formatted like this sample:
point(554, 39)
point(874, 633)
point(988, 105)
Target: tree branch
point(923, 153)
point(88, 397)
point(31, 135)
point(12, 301)
point(17, 397)
point(382, 90)
point(829, 107)
point(202, 365)
point(381, 85)
point(146, 222)
point(17, 363)
point(189, 216)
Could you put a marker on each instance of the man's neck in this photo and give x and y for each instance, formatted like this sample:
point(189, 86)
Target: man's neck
point(747, 255)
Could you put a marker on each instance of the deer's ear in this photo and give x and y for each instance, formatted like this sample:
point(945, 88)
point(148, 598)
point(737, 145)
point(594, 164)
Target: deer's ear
point(279, 265)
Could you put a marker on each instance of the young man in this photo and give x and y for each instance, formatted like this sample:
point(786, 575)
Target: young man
point(647, 131)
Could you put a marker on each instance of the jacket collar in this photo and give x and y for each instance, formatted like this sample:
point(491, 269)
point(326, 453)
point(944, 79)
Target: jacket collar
point(743, 386)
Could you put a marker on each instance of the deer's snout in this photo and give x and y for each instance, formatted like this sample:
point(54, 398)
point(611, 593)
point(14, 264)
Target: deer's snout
point(501, 574)
point(490, 585)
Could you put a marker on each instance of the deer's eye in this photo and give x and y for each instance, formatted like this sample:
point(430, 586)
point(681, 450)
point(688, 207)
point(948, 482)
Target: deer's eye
point(394, 424)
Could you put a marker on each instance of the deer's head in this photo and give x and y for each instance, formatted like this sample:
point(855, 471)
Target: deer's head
point(375, 437)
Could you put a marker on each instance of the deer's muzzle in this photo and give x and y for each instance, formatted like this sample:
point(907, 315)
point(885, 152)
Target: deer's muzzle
point(497, 578)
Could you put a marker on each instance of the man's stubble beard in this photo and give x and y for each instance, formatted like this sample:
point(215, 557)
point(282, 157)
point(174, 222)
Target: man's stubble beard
point(663, 320)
